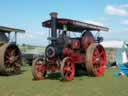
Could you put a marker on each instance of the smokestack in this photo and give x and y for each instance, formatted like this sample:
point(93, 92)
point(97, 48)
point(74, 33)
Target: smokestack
point(53, 26)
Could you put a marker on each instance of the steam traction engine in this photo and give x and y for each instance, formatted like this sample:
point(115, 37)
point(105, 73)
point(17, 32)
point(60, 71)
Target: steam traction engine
point(10, 54)
point(66, 54)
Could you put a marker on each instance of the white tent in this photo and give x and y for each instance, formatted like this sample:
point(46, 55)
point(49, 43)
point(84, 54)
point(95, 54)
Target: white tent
point(114, 44)
point(121, 52)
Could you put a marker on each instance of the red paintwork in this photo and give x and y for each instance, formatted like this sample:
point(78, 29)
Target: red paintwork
point(100, 68)
point(51, 60)
point(62, 21)
point(86, 40)
point(75, 44)
point(67, 52)
point(51, 64)
point(76, 49)
point(53, 68)
point(78, 58)
point(40, 69)
point(69, 70)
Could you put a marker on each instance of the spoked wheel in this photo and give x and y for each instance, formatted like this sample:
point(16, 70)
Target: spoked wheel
point(67, 69)
point(10, 59)
point(95, 60)
point(39, 69)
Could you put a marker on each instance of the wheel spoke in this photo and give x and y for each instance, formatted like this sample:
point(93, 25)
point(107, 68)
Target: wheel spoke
point(101, 54)
point(16, 58)
point(17, 64)
point(39, 75)
point(39, 69)
point(69, 63)
point(7, 57)
point(96, 52)
point(67, 69)
point(100, 68)
point(13, 52)
point(94, 60)
point(67, 74)
point(102, 61)
point(6, 61)
point(95, 56)
point(7, 54)
point(98, 60)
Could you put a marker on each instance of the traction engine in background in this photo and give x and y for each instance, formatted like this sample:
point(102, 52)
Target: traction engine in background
point(10, 54)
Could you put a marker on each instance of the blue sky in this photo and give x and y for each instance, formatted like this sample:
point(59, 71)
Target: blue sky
point(28, 15)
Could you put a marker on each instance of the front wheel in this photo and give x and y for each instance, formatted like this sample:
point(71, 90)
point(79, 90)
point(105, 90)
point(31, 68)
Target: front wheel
point(67, 69)
point(95, 60)
point(39, 69)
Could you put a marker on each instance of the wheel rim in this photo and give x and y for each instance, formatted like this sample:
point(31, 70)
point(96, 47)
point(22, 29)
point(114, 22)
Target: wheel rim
point(68, 69)
point(12, 59)
point(39, 69)
point(99, 60)
point(95, 60)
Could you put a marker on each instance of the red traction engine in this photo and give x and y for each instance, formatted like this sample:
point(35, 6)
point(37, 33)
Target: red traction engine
point(67, 54)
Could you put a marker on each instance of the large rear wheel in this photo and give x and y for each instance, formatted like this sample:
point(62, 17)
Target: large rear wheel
point(67, 69)
point(38, 69)
point(95, 60)
point(10, 59)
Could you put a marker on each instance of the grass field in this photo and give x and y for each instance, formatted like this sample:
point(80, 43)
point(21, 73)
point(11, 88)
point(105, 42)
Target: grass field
point(23, 85)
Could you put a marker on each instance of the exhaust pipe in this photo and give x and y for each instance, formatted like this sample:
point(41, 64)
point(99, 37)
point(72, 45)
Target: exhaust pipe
point(53, 26)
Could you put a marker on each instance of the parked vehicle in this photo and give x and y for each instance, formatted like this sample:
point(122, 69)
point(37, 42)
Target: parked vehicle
point(66, 53)
point(10, 55)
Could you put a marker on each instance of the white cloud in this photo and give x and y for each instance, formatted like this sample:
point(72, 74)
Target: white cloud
point(124, 22)
point(117, 10)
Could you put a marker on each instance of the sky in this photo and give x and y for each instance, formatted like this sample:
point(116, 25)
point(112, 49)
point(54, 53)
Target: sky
point(29, 14)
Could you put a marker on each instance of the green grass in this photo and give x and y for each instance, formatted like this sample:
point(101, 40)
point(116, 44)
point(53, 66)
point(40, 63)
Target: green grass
point(23, 85)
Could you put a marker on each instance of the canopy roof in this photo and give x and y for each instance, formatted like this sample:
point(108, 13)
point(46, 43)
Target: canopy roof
point(75, 26)
point(7, 29)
